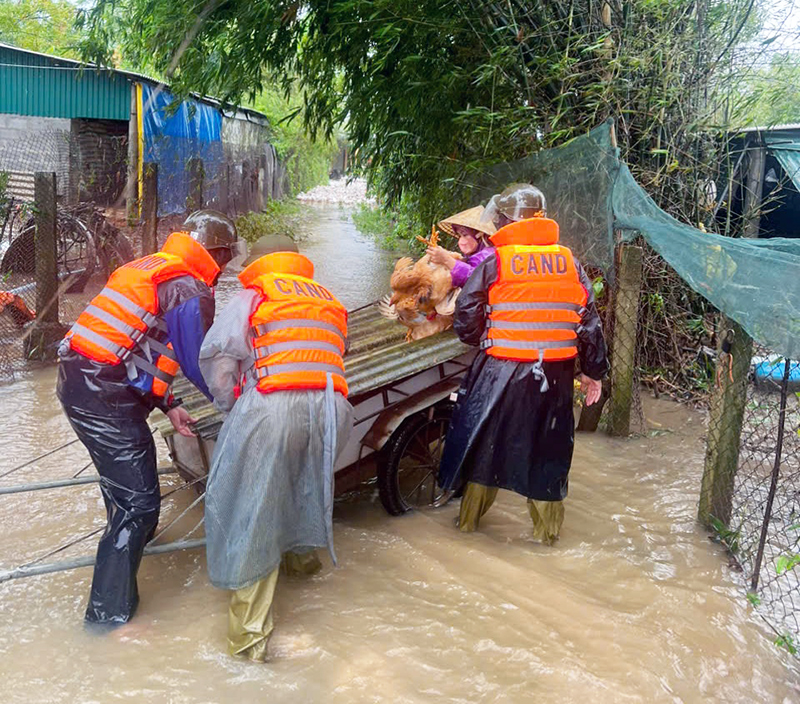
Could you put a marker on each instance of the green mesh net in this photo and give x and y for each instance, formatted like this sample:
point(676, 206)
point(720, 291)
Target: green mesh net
point(591, 193)
point(577, 179)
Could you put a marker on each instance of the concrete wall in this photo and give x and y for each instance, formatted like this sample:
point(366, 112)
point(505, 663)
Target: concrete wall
point(29, 144)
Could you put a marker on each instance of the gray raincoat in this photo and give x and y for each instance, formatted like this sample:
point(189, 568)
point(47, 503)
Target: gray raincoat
point(270, 488)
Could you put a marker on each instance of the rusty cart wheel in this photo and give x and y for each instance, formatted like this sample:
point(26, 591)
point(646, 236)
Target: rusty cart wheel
point(409, 463)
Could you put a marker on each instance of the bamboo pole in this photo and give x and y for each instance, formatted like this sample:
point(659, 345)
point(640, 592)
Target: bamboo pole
point(89, 560)
point(58, 483)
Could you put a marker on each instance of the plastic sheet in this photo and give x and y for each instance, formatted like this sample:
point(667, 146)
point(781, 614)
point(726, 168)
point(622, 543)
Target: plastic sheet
point(175, 134)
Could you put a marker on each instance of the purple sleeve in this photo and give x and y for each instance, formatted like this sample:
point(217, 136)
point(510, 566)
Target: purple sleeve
point(462, 269)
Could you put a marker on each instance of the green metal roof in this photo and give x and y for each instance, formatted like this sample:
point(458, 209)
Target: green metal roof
point(45, 86)
point(50, 86)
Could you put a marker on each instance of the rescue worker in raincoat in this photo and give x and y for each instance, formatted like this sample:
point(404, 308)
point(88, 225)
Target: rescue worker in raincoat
point(273, 358)
point(116, 364)
point(531, 310)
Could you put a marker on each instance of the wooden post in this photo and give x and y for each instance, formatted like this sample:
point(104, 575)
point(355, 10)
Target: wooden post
point(44, 195)
point(754, 185)
point(728, 401)
point(150, 210)
point(725, 428)
point(131, 184)
point(623, 356)
point(196, 177)
point(41, 339)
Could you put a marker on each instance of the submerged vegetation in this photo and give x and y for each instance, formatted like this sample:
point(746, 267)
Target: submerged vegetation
point(279, 217)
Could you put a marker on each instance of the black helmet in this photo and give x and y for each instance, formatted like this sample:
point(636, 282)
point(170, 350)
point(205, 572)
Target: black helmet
point(212, 229)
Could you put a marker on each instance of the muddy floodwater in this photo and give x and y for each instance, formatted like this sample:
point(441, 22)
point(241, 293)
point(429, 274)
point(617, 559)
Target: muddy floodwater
point(633, 604)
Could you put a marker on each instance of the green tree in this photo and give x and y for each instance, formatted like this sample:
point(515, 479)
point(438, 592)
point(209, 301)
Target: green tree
point(40, 25)
point(430, 91)
point(771, 94)
point(308, 161)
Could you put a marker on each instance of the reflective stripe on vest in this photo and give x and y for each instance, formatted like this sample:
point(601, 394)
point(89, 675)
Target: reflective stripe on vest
point(98, 340)
point(264, 328)
point(131, 331)
point(522, 345)
point(511, 325)
point(126, 303)
point(266, 350)
point(263, 351)
point(525, 305)
point(272, 369)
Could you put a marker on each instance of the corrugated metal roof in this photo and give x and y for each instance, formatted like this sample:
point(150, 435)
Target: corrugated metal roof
point(34, 84)
point(38, 84)
point(378, 355)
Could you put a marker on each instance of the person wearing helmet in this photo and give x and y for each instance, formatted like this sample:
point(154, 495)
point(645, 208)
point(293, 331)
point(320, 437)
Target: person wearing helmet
point(116, 364)
point(472, 234)
point(274, 360)
point(531, 310)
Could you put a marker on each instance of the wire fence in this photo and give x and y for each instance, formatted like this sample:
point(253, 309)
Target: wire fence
point(752, 481)
point(93, 193)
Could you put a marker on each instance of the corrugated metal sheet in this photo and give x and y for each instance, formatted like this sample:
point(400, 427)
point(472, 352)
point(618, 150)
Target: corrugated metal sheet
point(34, 84)
point(20, 185)
point(378, 355)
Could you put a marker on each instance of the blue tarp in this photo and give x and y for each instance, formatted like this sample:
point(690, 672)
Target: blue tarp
point(174, 134)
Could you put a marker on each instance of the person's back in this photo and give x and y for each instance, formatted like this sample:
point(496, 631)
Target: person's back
point(531, 311)
point(116, 364)
point(274, 359)
point(121, 346)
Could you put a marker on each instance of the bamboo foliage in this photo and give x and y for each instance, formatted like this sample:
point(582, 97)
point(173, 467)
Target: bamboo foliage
point(429, 91)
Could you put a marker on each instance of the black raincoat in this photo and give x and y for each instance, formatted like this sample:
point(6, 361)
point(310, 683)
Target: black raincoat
point(505, 431)
point(109, 413)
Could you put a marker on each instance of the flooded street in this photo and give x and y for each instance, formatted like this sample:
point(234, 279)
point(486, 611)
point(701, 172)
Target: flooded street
point(633, 604)
point(349, 263)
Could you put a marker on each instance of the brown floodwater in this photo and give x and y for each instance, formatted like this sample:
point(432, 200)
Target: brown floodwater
point(633, 604)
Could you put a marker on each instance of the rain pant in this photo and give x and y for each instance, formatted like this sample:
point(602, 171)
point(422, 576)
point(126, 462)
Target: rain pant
point(270, 487)
point(547, 516)
point(108, 412)
point(250, 619)
point(509, 430)
point(123, 451)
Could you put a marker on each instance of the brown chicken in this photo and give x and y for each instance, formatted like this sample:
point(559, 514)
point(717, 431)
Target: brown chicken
point(423, 298)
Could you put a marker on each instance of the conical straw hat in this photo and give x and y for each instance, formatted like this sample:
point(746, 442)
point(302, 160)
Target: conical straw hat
point(469, 218)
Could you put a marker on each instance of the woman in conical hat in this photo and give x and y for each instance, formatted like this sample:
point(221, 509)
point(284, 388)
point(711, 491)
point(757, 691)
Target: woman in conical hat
point(473, 241)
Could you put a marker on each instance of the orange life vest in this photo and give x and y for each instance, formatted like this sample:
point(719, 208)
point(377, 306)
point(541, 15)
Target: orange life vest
point(535, 305)
point(120, 323)
point(299, 329)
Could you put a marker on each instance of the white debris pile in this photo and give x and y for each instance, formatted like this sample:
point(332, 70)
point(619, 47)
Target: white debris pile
point(339, 191)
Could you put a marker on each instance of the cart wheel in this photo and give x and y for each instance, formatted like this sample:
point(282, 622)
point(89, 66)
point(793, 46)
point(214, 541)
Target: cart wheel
point(409, 465)
point(114, 252)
